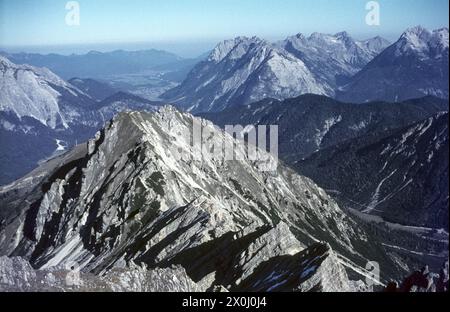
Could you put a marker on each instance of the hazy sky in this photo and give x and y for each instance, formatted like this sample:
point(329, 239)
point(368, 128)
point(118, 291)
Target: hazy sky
point(203, 22)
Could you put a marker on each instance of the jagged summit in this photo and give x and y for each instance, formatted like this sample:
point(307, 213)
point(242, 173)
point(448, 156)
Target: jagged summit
point(244, 70)
point(126, 198)
point(424, 33)
point(342, 35)
point(414, 66)
point(424, 42)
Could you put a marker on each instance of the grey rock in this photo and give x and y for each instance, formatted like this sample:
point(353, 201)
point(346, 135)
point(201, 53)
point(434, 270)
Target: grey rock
point(314, 269)
point(245, 70)
point(126, 198)
point(18, 275)
point(414, 66)
point(400, 175)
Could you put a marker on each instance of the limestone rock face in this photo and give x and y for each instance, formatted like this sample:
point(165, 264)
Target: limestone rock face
point(42, 116)
point(414, 66)
point(244, 70)
point(126, 198)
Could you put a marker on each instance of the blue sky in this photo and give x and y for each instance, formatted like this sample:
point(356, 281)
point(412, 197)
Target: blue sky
point(171, 22)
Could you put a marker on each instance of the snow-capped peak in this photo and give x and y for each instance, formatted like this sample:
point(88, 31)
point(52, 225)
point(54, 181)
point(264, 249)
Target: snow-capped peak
point(416, 36)
point(33, 92)
point(337, 45)
point(42, 72)
point(424, 42)
point(415, 65)
point(416, 30)
point(243, 70)
point(441, 38)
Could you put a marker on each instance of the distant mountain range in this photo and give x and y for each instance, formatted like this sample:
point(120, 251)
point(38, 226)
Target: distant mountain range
point(245, 70)
point(103, 64)
point(333, 59)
